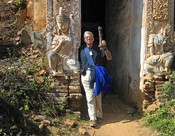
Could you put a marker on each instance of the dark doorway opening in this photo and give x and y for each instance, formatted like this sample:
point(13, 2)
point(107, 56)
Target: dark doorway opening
point(93, 15)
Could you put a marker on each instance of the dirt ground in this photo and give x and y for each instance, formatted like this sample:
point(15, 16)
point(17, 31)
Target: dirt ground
point(119, 120)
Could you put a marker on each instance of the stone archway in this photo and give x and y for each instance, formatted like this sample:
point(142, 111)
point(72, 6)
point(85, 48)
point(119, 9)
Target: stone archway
point(122, 30)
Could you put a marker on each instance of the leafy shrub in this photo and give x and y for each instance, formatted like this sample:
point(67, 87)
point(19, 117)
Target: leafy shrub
point(169, 90)
point(173, 76)
point(26, 96)
point(20, 88)
point(21, 4)
point(162, 120)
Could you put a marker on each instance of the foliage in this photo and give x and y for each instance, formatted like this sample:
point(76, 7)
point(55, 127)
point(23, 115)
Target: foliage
point(169, 90)
point(21, 4)
point(25, 92)
point(20, 89)
point(12, 121)
point(163, 119)
point(9, 128)
point(173, 76)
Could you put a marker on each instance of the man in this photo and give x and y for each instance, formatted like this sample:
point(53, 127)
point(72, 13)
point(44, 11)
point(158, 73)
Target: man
point(94, 103)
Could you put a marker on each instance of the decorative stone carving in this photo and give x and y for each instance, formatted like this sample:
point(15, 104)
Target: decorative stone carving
point(149, 18)
point(61, 44)
point(70, 62)
point(160, 50)
point(49, 15)
point(160, 10)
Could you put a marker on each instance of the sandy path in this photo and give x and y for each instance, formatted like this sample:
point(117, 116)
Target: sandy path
point(120, 120)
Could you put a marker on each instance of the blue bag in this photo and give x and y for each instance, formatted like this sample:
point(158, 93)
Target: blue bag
point(103, 81)
point(100, 75)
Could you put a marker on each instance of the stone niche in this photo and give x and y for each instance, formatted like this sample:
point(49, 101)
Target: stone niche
point(159, 52)
point(61, 45)
point(64, 44)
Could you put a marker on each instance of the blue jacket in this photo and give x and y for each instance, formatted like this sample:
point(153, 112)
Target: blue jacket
point(103, 81)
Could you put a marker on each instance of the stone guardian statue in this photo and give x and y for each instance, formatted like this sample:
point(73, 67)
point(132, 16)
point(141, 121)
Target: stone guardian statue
point(61, 45)
point(160, 47)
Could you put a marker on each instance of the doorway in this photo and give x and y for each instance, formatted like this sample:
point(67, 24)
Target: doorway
point(121, 22)
point(93, 15)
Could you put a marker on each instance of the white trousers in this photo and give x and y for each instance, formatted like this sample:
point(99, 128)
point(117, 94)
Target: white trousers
point(94, 103)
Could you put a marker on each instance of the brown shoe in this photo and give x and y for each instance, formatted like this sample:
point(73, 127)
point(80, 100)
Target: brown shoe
point(99, 120)
point(92, 123)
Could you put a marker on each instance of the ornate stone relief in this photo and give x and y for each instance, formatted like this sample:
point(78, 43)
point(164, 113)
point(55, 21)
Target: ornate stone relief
point(160, 10)
point(160, 51)
point(160, 38)
point(63, 36)
point(149, 18)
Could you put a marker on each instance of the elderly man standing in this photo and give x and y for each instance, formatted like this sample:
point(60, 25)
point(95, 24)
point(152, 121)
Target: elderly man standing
point(94, 102)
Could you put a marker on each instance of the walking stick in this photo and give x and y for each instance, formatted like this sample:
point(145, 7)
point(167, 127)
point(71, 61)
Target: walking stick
point(100, 36)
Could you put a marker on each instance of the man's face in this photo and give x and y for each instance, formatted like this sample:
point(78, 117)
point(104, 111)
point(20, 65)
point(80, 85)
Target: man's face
point(89, 39)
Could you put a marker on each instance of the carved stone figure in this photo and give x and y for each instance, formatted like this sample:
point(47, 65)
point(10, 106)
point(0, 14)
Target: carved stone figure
point(160, 47)
point(61, 44)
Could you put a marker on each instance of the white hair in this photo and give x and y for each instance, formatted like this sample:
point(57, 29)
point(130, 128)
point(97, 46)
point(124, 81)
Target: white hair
point(88, 32)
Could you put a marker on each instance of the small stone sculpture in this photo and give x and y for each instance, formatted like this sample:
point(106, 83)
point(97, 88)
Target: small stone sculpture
point(160, 47)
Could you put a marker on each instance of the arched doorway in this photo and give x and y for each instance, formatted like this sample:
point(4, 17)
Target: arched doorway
point(93, 15)
point(122, 24)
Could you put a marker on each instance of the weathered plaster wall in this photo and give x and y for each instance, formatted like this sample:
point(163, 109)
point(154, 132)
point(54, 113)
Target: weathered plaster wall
point(123, 32)
point(36, 11)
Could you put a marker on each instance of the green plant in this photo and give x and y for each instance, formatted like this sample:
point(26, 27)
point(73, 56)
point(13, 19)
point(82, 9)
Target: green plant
point(20, 88)
point(169, 90)
point(162, 120)
point(32, 68)
point(25, 94)
point(21, 4)
point(173, 76)
point(57, 120)
point(43, 64)
point(70, 115)
point(22, 60)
